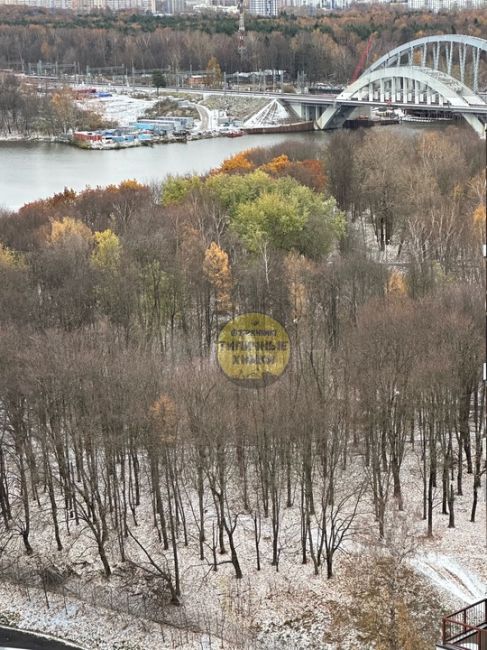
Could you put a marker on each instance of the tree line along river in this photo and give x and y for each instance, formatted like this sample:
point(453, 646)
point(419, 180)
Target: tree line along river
point(31, 171)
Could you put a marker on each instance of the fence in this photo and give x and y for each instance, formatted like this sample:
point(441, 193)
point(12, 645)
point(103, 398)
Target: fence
point(116, 599)
point(467, 627)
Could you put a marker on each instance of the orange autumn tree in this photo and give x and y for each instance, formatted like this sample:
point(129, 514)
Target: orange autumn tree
point(479, 218)
point(216, 268)
point(307, 172)
point(310, 173)
point(237, 164)
point(276, 166)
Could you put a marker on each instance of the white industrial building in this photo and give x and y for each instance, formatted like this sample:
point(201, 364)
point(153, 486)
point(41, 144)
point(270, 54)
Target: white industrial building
point(264, 7)
point(446, 5)
point(85, 5)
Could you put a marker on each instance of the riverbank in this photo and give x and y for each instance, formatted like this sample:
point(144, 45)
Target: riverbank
point(47, 168)
point(34, 137)
point(133, 119)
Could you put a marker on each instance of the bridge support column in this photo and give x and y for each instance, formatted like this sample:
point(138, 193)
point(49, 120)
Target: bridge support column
point(405, 90)
point(476, 60)
point(463, 57)
point(449, 49)
point(334, 116)
point(436, 56)
point(476, 124)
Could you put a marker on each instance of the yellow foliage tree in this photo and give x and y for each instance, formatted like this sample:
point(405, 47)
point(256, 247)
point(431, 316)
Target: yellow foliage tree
point(296, 267)
point(131, 184)
point(479, 217)
point(69, 229)
point(108, 250)
point(216, 268)
point(213, 72)
point(163, 417)
point(7, 258)
point(64, 109)
point(396, 284)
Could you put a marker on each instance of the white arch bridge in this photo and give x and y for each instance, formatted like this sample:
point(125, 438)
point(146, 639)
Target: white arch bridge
point(433, 75)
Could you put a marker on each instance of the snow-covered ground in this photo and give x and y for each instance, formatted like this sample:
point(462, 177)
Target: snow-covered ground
point(289, 609)
point(271, 114)
point(446, 573)
point(123, 108)
point(92, 628)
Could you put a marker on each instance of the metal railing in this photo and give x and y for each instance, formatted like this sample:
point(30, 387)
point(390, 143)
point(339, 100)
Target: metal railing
point(467, 627)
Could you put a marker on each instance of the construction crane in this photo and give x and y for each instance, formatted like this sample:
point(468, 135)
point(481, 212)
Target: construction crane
point(241, 29)
point(363, 59)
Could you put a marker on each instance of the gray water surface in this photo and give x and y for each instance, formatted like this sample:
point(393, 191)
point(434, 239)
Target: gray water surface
point(31, 171)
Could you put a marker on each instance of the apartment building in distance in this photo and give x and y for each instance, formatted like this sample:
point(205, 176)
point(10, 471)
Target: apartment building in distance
point(264, 7)
point(413, 5)
point(446, 5)
point(254, 7)
point(87, 5)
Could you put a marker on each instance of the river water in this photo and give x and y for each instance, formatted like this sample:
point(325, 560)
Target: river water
point(31, 171)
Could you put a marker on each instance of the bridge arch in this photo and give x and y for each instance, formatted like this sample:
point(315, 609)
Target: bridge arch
point(408, 86)
point(447, 52)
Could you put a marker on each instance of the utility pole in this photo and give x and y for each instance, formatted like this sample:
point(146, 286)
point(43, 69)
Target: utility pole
point(241, 30)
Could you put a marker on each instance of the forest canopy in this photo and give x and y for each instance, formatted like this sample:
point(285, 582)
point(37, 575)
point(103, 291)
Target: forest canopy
point(124, 444)
point(324, 47)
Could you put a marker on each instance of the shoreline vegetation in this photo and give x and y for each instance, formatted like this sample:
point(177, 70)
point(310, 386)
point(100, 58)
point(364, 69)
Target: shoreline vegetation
point(94, 120)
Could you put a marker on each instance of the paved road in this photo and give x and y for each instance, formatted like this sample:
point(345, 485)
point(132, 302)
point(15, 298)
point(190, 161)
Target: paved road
point(204, 114)
point(10, 638)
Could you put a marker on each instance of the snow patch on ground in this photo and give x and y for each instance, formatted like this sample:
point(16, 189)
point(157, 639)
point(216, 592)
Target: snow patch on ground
point(449, 575)
point(120, 108)
point(91, 627)
point(271, 114)
point(289, 609)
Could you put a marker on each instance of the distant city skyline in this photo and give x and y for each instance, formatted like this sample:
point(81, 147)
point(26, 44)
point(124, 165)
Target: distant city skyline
point(253, 7)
